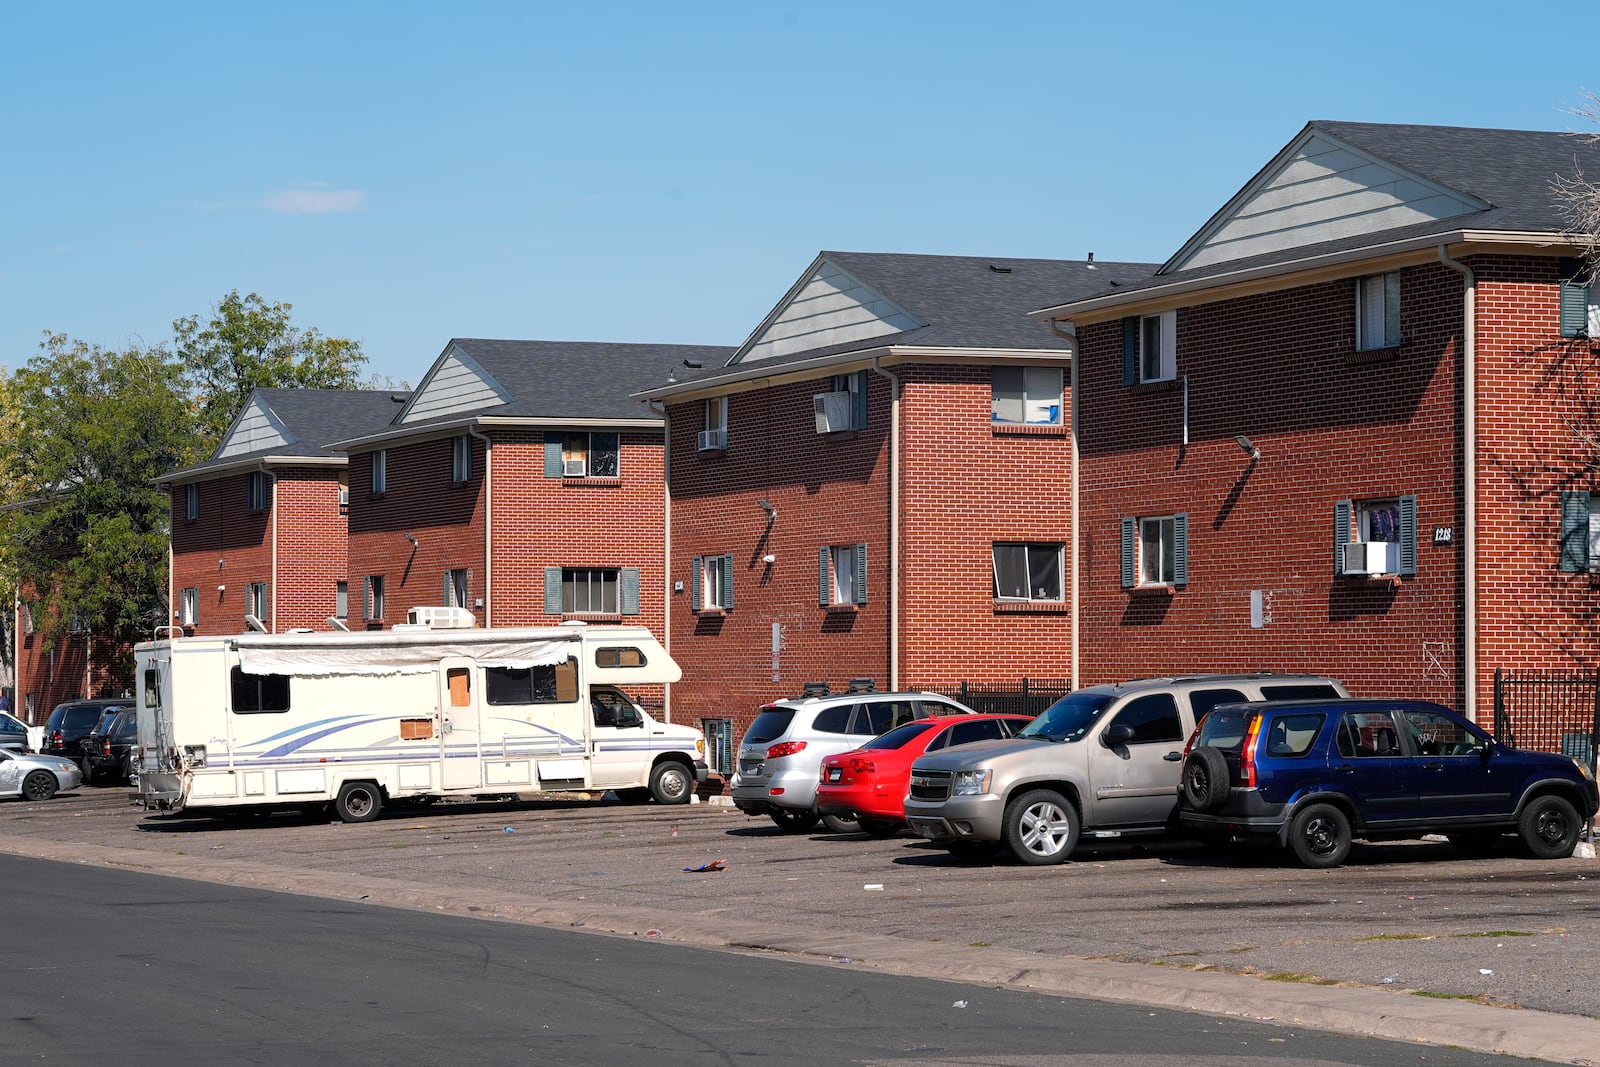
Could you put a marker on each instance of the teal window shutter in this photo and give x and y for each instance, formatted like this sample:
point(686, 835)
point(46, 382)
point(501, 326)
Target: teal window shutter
point(628, 590)
point(366, 598)
point(1575, 532)
point(552, 590)
point(1129, 534)
point(696, 580)
point(1574, 299)
point(727, 583)
point(824, 561)
point(858, 419)
point(449, 592)
point(1408, 535)
point(860, 590)
point(1130, 356)
point(1180, 550)
point(1391, 309)
point(1341, 533)
point(552, 454)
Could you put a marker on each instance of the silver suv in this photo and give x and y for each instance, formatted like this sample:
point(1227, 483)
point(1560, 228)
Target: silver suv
point(1104, 760)
point(781, 755)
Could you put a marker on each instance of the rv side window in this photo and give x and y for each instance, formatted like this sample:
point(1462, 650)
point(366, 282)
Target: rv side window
point(618, 657)
point(152, 690)
point(257, 693)
point(553, 684)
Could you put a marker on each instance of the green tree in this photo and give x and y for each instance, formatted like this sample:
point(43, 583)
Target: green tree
point(88, 431)
point(249, 344)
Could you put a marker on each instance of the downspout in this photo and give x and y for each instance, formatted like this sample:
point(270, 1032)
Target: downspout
point(1070, 335)
point(488, 527)
point(1469, 479)
point(658, 408)
point(273, 607)
point(894, 522)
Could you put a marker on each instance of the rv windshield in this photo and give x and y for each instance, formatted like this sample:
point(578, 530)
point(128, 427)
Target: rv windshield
point(1069, 718)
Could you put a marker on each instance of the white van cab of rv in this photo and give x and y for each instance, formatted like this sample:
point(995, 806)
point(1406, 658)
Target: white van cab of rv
point(430, 709)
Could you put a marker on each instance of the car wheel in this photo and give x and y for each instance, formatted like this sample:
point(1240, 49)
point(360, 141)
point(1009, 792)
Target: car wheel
point(1476, 842)
point(795, 822)
point(85, 769)
point(1205, 779)
point(1320, 836)
point(40, 785)
point(1548, 827)
point(840, 825)
point(880, 827)
point(358, 802)
point(1041, 827)
point(671, 783)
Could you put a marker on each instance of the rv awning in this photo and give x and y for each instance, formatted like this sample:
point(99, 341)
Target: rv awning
point(344, 656)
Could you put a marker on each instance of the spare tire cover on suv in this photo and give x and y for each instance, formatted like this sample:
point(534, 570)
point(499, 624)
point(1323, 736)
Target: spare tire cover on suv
point(1205, 779)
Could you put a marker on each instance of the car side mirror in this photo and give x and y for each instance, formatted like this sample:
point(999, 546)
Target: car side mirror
point(1117, 734)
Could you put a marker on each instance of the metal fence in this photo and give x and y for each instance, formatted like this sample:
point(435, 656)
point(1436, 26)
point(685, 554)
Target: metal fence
point(1029, 698)
point(1549, 711)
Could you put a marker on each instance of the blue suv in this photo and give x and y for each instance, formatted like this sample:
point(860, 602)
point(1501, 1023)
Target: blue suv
point(1311, 775)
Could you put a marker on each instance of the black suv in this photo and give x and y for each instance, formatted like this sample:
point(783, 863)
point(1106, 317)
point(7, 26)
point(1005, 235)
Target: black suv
point(1310, 775)
point(72, 722)
point(107, 749)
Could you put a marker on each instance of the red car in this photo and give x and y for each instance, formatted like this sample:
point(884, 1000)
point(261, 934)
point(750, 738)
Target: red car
point(869, 784)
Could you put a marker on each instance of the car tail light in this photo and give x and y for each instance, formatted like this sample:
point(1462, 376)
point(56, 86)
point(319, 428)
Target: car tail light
point(1247, 754)
point(785, 748)
point(105, 747)
point(862, 765)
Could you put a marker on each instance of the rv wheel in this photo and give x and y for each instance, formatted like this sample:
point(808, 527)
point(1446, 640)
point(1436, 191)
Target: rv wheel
point(358, 802)
point(671, 783)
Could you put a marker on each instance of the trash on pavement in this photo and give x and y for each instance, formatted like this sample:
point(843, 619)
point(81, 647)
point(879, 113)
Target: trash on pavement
point(714, 865)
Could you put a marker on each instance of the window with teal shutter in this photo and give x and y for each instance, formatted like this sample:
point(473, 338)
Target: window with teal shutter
point(1574, 298)
point(861, 574)
point(1575, 510)
point(1341, 533)
point(1180, 550)
point(552, 453)
point(1130, 360)
point(1408, 535)
point(825, 576)
point(696, 579)
point(727, 583)
point(1129, 538)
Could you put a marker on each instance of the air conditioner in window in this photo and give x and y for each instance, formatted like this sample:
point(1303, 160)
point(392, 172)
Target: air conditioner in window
point(713, 440)
point(573, 468)
point(1372, 557)
point(832, 411)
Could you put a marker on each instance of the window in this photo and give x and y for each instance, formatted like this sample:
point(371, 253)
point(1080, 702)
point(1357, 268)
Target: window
point(555, 683)
point(619, 656)
point(341, 600)
point(1368, 733)
point(1029, 396)
point(1027, 572)
point(842, 574)
point(715, 436)
point(191, 501)
point(719, 745)
point(1433, 734)
point(380, 471)
point(1155, 551)
point(580, 455)
point(1153, 718)
point(1201, 701)
point(461, 458)
point(1158, 360)
point(27, 617)
point(255, 600)
point(254, 694)
point(591, 590)
point(344, 491)
point(712, 583)
point(1375, 536)
point(455, 588)
point(965, 733)
point(256, 490)
point(843, 406)
point(372, 605)
point(1290, 736)
point(189, 606)
point(1580, 314)
point(1580, 532)
point(1378, 311)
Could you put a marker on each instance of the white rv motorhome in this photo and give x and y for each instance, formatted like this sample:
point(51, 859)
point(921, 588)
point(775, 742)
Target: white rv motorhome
point(419, 711)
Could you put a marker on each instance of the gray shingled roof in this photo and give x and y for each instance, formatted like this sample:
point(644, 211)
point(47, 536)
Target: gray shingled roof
point(315, 417)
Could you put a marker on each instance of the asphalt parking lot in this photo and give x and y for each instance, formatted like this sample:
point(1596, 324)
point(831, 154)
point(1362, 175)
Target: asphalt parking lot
point(1402, 917)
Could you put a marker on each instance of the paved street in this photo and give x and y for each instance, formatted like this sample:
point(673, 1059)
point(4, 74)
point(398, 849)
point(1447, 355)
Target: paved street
point(1410, 917)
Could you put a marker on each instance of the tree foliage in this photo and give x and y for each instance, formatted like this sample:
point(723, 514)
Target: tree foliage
point(249, 344)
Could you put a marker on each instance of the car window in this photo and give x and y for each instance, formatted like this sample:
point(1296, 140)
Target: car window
point(1201, 701)
point(964, 733)
point(877, 716)
point(12, 726)
point(1302, 691)
point(1365, 734)
point(770, 724)
point(833, 720)
point(1436, 734)
point(939, 707)
point(1292, 735)
point(900, 736)
point(126, 726)
point(1225, 728)
point(1153, 717)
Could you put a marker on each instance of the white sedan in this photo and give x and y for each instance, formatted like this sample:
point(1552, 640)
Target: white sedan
point(34, 777)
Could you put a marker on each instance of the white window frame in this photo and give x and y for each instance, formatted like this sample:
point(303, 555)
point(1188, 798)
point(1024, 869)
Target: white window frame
point(1038, 399)
point(380, 472)
point(586, 580)
point(191, 501)
point(255, 601)
point(711, 581)
point(1033, 593)
point(1378, 311)
point(715, 435)
point(571, 454)
point(1158, 347)
point(1162, 568)
point(189, 606)
point(461, 459)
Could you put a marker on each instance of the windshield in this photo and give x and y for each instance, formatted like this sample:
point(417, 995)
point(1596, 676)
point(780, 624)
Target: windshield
point(1069, 718)
point(900, 735)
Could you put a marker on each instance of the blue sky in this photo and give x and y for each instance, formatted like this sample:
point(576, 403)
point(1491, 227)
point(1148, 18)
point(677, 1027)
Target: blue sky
point(406, 173)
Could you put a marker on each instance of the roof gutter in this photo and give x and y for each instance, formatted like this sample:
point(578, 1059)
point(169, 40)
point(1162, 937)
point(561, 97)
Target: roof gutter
point(456, 426)
point(1069, 333)
point(894, 522)
point(190, 474)
point(1469, 483)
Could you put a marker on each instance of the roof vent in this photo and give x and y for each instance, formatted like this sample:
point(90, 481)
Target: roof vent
point(862, 685)
point(999, 269)
point(815, 689)
point(1090, 262)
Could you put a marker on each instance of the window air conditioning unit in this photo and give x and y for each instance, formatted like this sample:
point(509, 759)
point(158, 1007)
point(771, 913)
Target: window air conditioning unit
point(713, 440)
point(438, 618)
point(1372, 557)
point(832, 411)
point(573, 468)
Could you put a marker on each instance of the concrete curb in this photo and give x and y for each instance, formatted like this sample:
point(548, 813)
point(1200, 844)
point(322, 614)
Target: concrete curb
point(1344, 1009)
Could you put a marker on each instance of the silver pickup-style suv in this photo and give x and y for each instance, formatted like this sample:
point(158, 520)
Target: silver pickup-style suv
point(1104, 760)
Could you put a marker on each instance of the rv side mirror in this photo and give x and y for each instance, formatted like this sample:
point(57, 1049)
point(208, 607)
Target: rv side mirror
point(628, 716)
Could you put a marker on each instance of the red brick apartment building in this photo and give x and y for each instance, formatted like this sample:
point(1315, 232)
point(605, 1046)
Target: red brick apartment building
point(79, 664)
point(519, 481)
point(1349, 426)
point(258, 530)
point(875, 485)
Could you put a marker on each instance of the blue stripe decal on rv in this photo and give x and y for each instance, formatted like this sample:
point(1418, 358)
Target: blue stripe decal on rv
point(306, 739)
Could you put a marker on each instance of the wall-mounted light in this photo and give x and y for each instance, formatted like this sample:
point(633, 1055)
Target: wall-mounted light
point(1249, 447)
point(769, 559)
point(765, 505)
point(408, 537)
